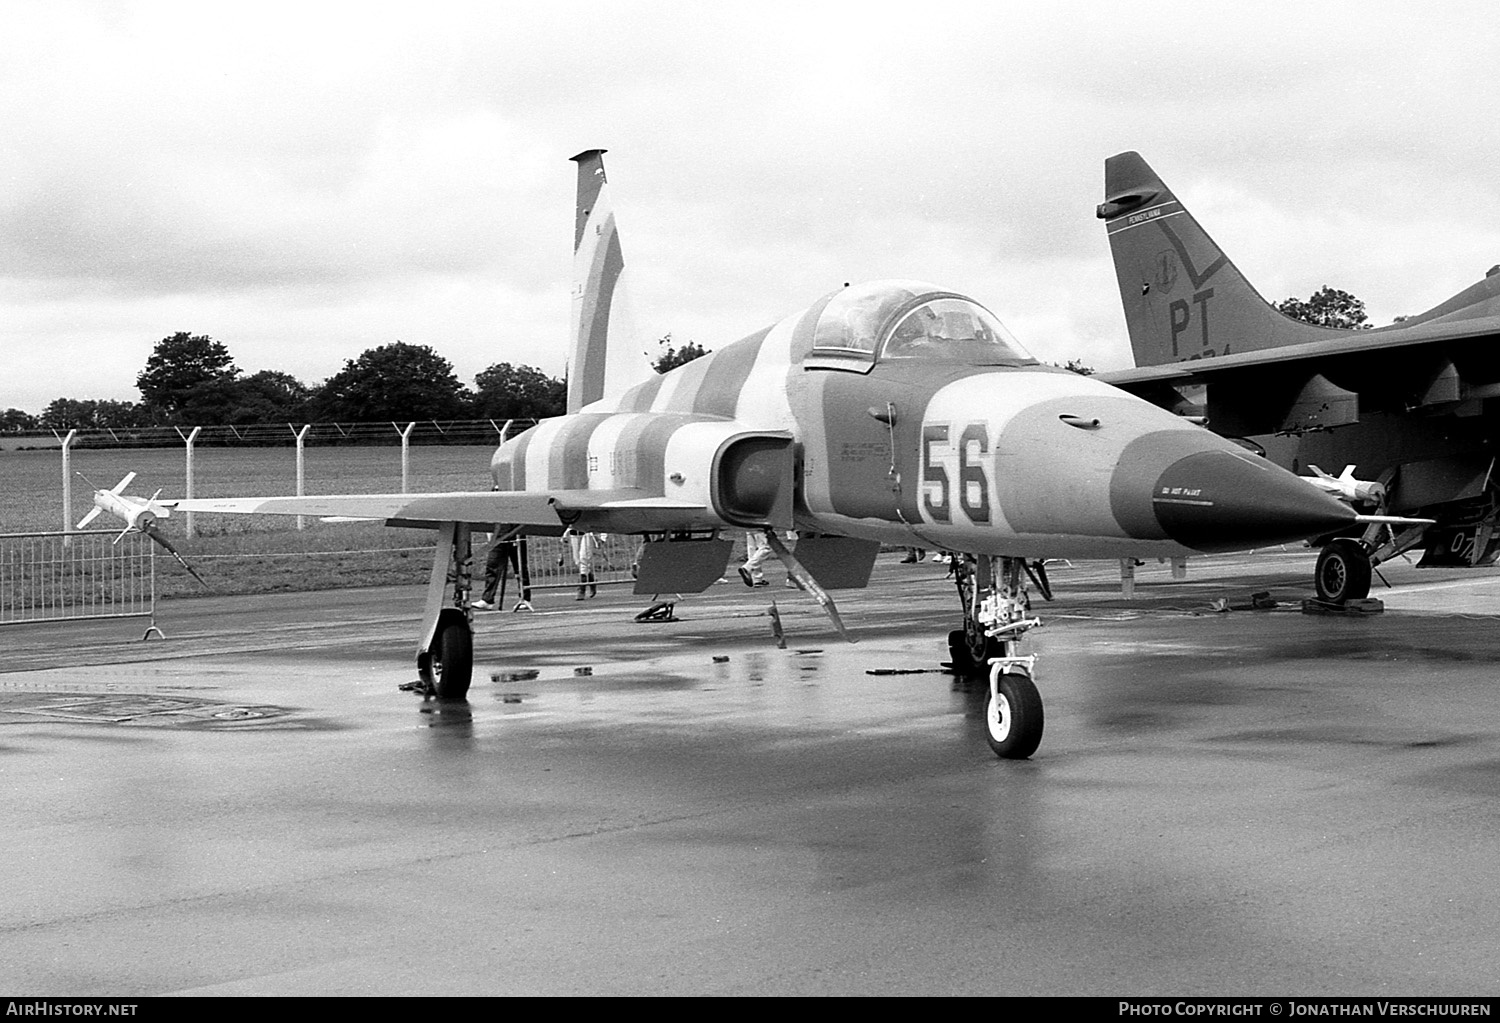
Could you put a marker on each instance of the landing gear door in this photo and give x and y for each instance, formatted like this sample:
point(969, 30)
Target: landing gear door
point(838, 562)
point(681, 566)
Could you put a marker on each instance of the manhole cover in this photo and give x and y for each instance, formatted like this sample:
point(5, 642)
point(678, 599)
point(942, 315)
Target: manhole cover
point(133, 709)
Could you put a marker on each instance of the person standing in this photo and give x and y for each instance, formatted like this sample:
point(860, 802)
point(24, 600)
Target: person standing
point(757, 550)
point(584, 547)
point(507, 554)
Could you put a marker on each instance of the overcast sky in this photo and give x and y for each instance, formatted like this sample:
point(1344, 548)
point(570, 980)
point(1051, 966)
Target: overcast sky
point(309, 180)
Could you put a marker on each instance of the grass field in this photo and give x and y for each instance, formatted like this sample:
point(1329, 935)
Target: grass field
point(31, 481)
point(253, 554)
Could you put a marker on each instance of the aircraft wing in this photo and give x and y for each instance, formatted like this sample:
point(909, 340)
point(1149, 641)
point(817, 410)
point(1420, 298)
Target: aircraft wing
point(626, 510)
point(1434, 367)
point(1395, 344)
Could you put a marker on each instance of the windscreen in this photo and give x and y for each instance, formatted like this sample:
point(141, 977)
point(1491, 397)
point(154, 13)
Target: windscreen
point(954, 330)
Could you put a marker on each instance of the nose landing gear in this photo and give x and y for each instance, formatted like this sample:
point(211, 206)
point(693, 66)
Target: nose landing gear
point(996, 616)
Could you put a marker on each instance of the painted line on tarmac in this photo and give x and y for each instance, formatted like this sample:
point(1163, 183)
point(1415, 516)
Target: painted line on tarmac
point(1429, 587)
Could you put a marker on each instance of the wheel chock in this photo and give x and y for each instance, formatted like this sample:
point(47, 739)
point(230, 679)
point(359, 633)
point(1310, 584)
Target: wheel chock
point(658, 613)
point(1350, 609)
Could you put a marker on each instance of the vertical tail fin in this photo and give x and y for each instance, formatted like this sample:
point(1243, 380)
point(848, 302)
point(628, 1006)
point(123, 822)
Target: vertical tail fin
point(607, 356)
point(1183, 298)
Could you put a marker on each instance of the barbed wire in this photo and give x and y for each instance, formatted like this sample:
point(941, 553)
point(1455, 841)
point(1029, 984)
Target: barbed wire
point(329, 434)
point(312, 554)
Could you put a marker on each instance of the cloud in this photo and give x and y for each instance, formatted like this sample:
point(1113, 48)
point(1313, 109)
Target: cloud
point(305, 181)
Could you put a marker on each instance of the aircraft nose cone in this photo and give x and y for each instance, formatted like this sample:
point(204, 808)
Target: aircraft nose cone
point(1224, 501)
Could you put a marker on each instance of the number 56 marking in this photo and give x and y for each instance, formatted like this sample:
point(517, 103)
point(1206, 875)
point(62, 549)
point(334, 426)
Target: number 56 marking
point(973, 484)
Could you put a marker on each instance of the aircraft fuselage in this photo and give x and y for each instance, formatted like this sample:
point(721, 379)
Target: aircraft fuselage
point(1021, 460)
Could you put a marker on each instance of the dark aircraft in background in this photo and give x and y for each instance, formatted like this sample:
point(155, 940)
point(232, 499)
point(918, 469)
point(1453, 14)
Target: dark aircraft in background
point(1412, 407)
point(892, 412)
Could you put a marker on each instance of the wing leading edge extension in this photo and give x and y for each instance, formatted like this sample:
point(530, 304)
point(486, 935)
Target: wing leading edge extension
point(624, 510)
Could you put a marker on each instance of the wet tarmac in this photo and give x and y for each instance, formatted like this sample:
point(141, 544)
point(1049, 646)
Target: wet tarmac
point(1241, 803)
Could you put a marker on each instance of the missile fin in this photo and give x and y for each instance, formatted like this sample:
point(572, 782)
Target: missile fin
point(166, 545)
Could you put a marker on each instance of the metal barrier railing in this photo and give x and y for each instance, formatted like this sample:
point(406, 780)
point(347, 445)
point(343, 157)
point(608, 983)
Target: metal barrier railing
point(53, 577)
point(552, 563)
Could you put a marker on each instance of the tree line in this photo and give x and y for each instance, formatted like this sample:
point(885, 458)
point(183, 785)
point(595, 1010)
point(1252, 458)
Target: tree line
point(191, 380)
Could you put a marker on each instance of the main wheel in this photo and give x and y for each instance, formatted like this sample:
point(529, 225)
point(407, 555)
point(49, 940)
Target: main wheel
point(1013, 717)
point(970, 650)
point(1343, 572)
point(452, 656)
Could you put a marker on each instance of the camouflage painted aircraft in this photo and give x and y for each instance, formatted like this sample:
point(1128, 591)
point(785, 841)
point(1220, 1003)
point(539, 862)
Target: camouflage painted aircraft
point(1411, 405)
point(893, 412)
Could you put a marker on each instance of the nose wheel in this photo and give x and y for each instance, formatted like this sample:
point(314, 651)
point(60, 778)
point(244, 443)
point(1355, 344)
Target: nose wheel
point(1012, 714)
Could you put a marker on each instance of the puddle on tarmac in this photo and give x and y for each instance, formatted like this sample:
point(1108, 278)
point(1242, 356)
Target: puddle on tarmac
point(455, 714)
point(154, 710)
point(721, 670)
point(695, 672)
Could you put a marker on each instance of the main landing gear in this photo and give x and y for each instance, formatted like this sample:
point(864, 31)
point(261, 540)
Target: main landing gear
point(1346, 565)
point(996, 616)
point(445, 655)
point(1343, 571)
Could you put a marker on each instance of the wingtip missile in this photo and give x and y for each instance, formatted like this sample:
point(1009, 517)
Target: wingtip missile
point(139, 517)
point(1345, 487)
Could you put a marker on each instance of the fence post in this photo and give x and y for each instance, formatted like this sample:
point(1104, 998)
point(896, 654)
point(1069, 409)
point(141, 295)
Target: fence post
point(67, 467)
point(188, 531)
point(405, 451)
point(300, 435)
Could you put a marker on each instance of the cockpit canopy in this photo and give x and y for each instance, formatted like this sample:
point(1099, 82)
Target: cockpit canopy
point(909, 320)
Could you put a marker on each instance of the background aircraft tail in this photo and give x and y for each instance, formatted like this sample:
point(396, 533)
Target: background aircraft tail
point(608, 356)
point(1183, 298)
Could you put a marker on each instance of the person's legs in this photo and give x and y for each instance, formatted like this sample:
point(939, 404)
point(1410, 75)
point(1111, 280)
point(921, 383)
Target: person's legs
point(492, 577)
point(756, 552)
point(523, 574)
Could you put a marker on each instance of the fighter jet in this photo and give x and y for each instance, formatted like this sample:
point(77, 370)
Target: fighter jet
point(891, 412)
point(1411, 404)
